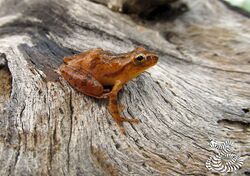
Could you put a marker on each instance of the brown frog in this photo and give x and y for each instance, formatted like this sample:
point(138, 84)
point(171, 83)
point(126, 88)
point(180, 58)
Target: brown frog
point(92, 71)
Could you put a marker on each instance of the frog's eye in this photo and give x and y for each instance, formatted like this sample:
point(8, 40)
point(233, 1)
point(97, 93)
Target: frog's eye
point(139, 59)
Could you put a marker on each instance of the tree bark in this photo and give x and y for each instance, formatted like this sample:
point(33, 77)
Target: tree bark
point(198, 91)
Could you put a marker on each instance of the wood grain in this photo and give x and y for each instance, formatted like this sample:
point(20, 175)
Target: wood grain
point(198, 91)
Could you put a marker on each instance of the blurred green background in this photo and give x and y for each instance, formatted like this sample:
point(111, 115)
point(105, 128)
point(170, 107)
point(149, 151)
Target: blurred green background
point(243, 4)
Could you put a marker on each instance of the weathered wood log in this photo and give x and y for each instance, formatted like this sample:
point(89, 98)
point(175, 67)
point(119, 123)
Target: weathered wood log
point(198, 91)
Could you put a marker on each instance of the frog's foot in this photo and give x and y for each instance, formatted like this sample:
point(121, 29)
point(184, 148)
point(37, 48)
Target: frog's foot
point(104, 95)
point(122, 129)
point(135, 121)
point(120, 121)
point(121, 107)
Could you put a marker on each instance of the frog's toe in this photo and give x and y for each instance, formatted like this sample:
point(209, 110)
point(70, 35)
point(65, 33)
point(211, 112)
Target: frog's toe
point(120, 125)
point(136, 121)
point(121, 107)
point(105, 95)
point(122, 129)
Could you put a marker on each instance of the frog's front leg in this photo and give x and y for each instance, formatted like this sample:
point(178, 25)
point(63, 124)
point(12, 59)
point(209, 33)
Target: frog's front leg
point(114, 108)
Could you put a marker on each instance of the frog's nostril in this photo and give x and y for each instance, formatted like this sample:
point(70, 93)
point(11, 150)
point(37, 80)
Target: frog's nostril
point(154, 58)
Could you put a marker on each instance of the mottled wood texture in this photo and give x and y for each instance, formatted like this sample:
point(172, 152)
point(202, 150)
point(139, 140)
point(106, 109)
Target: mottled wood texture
point(199, 90)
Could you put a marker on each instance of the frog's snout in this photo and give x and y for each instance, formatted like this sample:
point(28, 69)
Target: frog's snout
point(153, 59)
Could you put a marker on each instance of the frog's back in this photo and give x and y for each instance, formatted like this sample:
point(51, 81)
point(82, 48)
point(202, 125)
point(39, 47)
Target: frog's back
point(98, 61)
point(105, 66)
point(78, 58)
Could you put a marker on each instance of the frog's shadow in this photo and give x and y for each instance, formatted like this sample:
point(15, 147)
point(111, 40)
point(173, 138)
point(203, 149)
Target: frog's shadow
point(104, 101)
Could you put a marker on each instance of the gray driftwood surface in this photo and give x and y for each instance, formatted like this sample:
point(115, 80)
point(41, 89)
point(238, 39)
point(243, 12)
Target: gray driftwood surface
point(199, 90)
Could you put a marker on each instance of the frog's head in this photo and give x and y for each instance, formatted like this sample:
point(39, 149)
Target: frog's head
point(142, 59)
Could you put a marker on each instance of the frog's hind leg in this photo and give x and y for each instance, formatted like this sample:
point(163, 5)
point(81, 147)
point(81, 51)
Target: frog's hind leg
point(82, 81)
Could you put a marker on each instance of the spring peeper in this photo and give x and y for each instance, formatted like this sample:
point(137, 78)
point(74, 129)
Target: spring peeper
point(92, 71)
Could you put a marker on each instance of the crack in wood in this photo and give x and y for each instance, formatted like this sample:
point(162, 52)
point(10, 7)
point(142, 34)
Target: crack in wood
point(71, 107)
point(5, 80)
point(235, 124)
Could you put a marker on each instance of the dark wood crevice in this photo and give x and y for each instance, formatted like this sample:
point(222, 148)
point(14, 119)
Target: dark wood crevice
point(5, 80)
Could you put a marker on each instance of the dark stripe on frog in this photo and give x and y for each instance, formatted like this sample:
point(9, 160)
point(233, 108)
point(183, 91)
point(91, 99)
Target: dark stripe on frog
point(97, 61)
point(118, 71)
point(94, 63)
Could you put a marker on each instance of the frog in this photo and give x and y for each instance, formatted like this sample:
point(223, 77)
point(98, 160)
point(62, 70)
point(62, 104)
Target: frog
point(101, 73)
